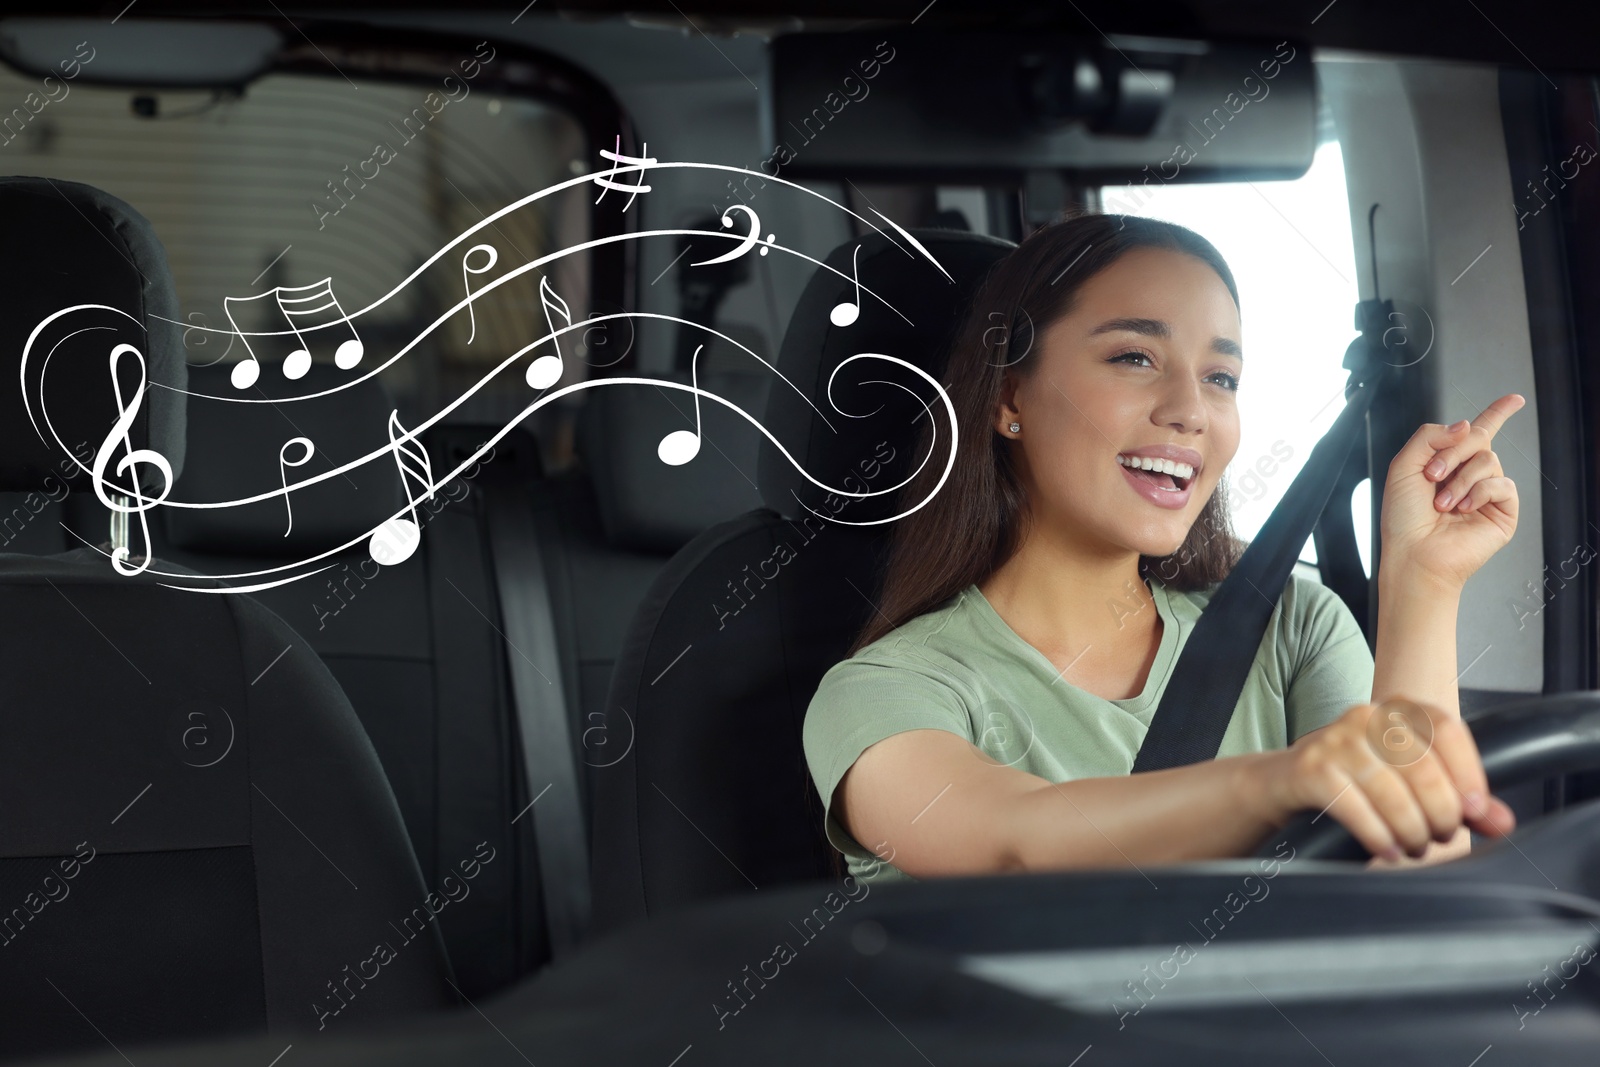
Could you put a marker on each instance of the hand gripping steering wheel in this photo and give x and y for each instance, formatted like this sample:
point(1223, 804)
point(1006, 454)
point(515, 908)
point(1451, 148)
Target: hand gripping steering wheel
point(1521, 741)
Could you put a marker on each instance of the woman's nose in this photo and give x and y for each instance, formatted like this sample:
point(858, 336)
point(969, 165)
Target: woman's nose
point(1181, 407)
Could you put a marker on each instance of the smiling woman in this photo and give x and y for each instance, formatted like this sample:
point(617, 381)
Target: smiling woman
point(1095, 430)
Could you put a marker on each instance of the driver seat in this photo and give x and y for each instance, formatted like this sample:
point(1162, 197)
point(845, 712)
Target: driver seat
point(729, 643)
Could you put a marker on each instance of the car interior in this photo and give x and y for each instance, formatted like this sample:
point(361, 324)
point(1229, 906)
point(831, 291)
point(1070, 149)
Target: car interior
point(443, 448)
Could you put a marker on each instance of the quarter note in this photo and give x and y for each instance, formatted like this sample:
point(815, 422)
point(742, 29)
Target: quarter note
point(285, 462)
point(546, 370)
point(395, 540)
point(247, 370)
point(845, 312)
point(466, 283)
point(680, 446)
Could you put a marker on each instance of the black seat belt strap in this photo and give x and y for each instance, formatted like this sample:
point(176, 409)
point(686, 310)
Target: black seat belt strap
point(1200, 697)
point(544, 723)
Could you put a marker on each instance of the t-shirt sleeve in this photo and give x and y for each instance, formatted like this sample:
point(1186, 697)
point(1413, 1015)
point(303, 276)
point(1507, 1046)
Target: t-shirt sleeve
point(860, 702)
point(1333, 666)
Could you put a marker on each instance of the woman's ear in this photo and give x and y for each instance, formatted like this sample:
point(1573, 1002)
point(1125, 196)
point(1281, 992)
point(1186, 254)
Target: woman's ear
point(1007, 414)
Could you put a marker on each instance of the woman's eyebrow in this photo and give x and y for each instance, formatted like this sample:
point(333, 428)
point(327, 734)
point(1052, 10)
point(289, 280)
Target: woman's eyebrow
point(1158, 328)
point(1144, 327)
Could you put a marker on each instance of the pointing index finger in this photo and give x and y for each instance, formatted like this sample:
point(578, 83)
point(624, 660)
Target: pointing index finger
point(1495, 415)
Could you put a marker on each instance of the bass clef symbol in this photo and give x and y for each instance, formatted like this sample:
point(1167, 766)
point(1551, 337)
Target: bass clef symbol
point(119, 434)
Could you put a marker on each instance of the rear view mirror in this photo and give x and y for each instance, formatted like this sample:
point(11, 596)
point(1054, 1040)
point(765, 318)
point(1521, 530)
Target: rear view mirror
point(935, 106)
point(150, 52)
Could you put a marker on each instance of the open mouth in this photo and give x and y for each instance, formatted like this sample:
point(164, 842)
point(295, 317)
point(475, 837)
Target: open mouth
point(1164, 474)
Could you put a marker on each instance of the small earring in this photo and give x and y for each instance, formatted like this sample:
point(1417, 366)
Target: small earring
point(1016, 427)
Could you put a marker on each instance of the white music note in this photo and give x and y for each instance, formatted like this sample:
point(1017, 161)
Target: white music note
point(680, 446)
point(844, 313)
point(247, 370)
point(395, 540)
point(605, 180)
point(283, 475)
point(308, 301)
point(546, 370)
point(294, 302)
point(746, 243)
point(466, 269)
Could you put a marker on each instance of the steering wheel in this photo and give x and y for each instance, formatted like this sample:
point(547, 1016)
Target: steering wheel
point(1520, 741)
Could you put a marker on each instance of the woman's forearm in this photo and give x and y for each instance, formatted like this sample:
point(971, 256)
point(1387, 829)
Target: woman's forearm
point(1416, 658)
point(1200, 811)
point(1416, 647)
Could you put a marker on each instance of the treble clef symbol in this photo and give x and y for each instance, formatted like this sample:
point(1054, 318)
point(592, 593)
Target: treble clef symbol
point(135, 456)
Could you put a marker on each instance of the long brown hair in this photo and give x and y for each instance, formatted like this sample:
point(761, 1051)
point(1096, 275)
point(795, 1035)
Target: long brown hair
point(974, 524)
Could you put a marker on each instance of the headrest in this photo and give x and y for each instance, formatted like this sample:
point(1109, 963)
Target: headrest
point(63, 244)
point(234, 451)
point(864, 422)
point(650, 506)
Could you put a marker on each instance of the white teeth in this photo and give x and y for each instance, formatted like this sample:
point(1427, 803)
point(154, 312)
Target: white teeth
point(1166, 466)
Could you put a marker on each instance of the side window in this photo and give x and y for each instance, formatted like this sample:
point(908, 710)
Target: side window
point(1289, 246)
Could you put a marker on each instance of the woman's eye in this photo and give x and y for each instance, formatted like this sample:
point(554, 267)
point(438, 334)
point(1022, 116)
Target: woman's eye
point(1133, 354)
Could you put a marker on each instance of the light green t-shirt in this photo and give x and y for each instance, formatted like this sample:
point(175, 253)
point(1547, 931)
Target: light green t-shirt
point(961, 668)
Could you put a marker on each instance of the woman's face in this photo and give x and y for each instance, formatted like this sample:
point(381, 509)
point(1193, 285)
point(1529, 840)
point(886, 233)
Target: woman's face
point(1144, 367)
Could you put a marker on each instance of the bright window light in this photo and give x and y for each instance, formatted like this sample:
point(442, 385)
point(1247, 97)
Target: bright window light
point(1361, 515)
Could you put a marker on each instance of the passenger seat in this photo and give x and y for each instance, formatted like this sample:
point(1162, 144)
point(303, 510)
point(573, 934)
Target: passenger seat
point(417, 646)
point(423, 648)
point(196, 837)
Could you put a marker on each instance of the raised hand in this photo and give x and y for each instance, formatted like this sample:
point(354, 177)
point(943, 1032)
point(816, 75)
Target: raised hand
point(1447, 504)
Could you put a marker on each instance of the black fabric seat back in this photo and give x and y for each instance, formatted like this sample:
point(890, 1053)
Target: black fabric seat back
point(421, 648)
point(648, 506)
point(415, 646)
point(727, 648)
point(615, 522)
point(196, 836)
